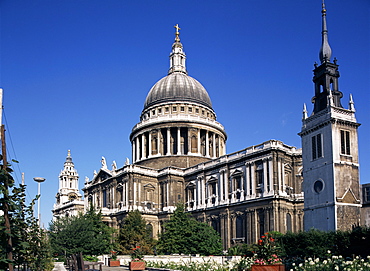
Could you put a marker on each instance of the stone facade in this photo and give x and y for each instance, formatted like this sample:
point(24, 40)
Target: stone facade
point(241, 195)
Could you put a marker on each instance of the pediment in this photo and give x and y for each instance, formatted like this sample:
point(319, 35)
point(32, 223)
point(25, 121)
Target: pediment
point(102, 175)
point(149, 186)
point(212, 179)
point(349, 197)
point(191, 185)
point(236, 172)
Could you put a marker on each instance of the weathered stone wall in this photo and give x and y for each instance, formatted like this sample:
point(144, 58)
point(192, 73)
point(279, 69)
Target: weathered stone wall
point(176, 161)
point(347, 217)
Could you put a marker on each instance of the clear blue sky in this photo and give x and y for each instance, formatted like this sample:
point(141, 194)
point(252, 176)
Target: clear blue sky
point(75, 73)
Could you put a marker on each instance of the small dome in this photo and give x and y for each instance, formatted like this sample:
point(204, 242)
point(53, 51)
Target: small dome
point(178, 87)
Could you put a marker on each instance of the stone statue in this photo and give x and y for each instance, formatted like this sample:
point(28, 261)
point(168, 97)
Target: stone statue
point(103, 163)
point(114, 165)
point(127, 161)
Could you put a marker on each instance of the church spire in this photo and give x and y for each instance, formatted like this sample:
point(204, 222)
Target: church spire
point(325, 51)
point(177, 56)
point(326, 75)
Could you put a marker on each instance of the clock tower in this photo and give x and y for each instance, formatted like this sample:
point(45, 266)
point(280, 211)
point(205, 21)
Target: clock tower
point(68, 199)
point(330, 151)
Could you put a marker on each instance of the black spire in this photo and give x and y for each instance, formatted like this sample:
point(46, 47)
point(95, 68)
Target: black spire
point(326, 75)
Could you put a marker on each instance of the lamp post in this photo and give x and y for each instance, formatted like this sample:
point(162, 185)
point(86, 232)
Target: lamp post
point(39, 180)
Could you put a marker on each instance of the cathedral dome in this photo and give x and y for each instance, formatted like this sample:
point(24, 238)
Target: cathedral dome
point(178, 87)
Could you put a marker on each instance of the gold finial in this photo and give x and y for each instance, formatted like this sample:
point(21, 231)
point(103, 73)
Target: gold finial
point(69, 153)
point(177, 33)
point(323, 7)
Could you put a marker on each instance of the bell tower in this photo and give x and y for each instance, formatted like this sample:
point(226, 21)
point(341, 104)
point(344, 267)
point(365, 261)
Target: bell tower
point(68, 199)
point(330, 150)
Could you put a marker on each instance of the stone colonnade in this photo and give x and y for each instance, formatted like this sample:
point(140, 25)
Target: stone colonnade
point(248, 224)
point(253, 180)
point(177, 141)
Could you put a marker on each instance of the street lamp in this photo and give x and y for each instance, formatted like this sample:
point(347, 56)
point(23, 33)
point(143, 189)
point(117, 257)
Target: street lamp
point(39, 180)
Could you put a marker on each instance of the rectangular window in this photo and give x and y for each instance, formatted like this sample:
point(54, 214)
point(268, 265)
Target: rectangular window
point(174, 109)
point(345, 143)
point(367, 194)
point(182, 109)
point(105, 198)
point(316, 146)
point(190, 109)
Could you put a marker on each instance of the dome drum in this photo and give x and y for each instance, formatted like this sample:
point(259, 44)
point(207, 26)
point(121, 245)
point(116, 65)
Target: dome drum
point(178, 141)
point(177, 108)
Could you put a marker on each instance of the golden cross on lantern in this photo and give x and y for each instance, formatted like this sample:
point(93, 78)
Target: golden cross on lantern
point(177, 32)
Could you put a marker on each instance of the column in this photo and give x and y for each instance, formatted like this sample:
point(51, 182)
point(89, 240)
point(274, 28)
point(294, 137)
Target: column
point(137, 148)
point(150, 144)
point(282, 176)
point(135, 198)
point(143, 154)
point(178, 141)
point(226, 182)
point(113, 197)
point(203, 190)
point(189, 140)
point(124, 198)
point(138, 192)
point(228, 237)
point(271, 177)
point(253, 179)
point(133, 150)
point(214, 145)
point(167, 193)
point(159, 146)
point(247, 177)
point(199, 151)
point(279, 175)
point(197, 193)
point(217, 192)
point(243, 186)
point(207, 144)
point(265, 175)
point(168, 141)
point(221, 188)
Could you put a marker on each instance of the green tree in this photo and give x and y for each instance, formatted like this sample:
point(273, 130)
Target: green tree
point(83, 233)
point(183, 234)
point(30, 247)
point(133, 233)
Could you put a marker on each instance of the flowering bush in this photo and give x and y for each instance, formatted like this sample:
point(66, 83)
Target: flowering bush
point(113, 255)
point(239, 264)
point(267, 250)
point(333, 263)
point(137, 254)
